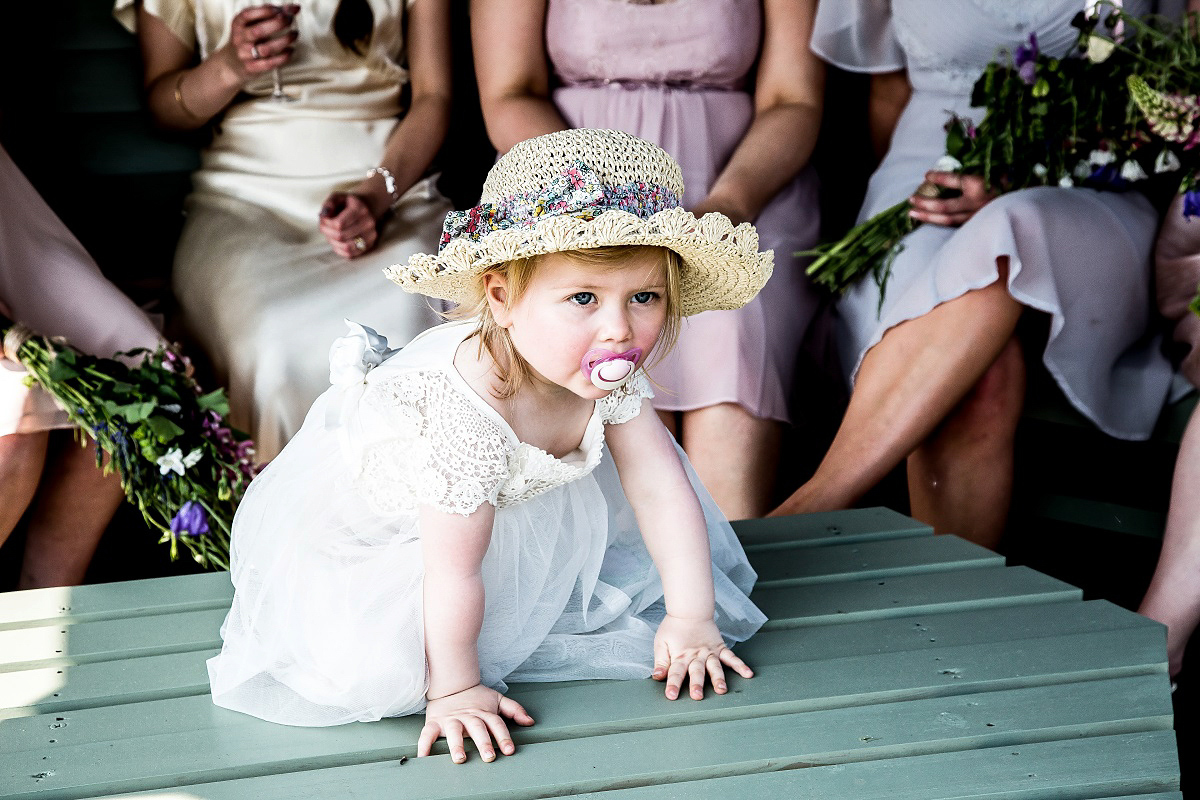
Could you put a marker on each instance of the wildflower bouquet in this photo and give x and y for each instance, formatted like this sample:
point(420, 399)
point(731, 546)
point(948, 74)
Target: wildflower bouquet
point(179, 463)
point(1117, 112)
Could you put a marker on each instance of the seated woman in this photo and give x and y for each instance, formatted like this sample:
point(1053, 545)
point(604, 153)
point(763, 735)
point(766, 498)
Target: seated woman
point(939, 378)
point(1174, 594)
point(50, 284)
point(676, 73)
point(299, 202)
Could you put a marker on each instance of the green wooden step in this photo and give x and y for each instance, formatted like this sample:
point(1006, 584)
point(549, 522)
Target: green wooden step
point(218, 758)
point(601, 707)
point(832, 527)
point(785, 606)
point(89, 685)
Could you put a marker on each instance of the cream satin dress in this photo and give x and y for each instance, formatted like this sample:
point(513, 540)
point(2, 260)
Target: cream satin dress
point(259, 285)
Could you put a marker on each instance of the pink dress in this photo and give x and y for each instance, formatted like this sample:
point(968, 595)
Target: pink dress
point(676, 74)
point(49, 283)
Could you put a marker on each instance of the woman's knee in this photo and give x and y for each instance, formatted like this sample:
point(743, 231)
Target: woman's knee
point(993, 407)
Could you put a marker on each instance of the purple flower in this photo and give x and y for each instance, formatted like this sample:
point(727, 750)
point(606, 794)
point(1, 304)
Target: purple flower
point(1191, 203)
point(191, 520)
point(1025, 60)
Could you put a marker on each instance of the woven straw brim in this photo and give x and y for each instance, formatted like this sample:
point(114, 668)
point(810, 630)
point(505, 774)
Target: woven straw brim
point(722, 266)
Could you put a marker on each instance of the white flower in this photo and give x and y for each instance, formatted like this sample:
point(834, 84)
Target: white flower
point(352, 356)
point(1099, 48)
point(1066, 182)
point(1102, 158)
point(175, 461)
point(1083, 170)
point(1040, 170)
point(1166, 162)
point(947, 164)
point(1133, 172)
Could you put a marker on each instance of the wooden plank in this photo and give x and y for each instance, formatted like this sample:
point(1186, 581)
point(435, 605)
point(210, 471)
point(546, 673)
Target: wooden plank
point(102, 601)
point(869, 559)
point(594, 763)
point(27, 648)
point(824, 528)
point(577, 710)
point(1077, 768)
point(90, 685)
point(847, 601)
point(786, 606)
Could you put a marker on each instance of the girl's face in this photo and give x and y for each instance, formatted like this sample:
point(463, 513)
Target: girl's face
point(569, 308)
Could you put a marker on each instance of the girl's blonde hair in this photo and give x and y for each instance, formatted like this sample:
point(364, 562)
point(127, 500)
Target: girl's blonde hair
point(512, 369)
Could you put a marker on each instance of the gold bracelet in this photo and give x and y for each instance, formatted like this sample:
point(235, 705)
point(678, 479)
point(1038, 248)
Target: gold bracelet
point(179, 95)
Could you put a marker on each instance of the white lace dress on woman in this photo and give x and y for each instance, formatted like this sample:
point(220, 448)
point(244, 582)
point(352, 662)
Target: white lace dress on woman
point(326, 623)
point(1080, 256)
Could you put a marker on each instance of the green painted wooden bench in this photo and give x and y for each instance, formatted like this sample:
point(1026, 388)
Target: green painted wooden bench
point(895, 665)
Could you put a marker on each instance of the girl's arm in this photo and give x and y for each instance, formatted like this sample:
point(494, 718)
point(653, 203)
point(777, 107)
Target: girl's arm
point(416, 139)
point(788, 101)
point(672, 524)
point(512, 70)
point(452, 547)
point(183, 97)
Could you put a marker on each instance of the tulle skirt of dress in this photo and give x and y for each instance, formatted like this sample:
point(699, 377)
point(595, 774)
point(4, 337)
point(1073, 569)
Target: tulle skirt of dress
point(326, 625)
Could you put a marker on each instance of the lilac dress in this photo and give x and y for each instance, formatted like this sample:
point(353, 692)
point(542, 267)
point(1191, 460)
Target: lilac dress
point(675, 74)
point(1079, 255)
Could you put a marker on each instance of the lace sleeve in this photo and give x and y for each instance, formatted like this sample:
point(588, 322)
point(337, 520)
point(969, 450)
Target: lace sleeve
point(440, 449)
point(625, 402)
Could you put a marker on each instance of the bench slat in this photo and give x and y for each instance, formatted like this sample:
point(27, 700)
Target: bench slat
point(825, 528)
point(132, 680)
point(641, 758)
point(787, 606)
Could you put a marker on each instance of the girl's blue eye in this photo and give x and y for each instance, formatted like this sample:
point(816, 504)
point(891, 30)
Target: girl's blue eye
point(645, 297)
point(583, 298)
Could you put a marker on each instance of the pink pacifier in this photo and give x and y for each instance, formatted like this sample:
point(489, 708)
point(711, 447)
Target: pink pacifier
point(608, 370)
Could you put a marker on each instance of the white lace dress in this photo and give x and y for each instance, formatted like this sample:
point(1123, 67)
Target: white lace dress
point(326, 622)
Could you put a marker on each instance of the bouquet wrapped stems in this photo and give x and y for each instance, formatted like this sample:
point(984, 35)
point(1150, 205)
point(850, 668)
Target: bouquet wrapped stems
point(178, 462)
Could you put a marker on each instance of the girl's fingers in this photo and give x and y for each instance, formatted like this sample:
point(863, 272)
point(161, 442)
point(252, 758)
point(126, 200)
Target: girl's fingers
point(696, 678)
point(675, 675)
point(499, 731)
point(429, 735)
point(453, 730)
point(662, 660)
point(515, 711)
point(715, 673)
point(480, 736)
point(731, 660)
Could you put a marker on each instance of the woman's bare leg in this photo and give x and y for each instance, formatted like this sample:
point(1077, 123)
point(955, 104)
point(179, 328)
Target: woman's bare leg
point(960, 479)
point(907, 385)
point(734, 454)
point(72, 510)
point(1174, 594)
point(22, 458)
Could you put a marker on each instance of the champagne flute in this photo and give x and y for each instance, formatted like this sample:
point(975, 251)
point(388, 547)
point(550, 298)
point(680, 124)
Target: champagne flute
point(277, 93)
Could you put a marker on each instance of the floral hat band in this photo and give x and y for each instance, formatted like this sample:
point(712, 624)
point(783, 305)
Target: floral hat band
point(577, 192)
point(581, 189)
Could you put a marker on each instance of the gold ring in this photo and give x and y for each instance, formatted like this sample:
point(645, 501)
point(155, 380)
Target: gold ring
point(254, 52)
point(360, 243)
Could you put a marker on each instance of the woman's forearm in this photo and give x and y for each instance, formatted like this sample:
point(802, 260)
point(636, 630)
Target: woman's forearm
point(186, 99)
point(413, 144)
point(774, 149)
point(516, 117)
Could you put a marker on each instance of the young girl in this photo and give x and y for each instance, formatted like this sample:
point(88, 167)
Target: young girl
point(446, 520)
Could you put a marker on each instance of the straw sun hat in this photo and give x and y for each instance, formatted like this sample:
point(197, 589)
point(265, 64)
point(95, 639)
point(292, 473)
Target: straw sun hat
point(579, 189)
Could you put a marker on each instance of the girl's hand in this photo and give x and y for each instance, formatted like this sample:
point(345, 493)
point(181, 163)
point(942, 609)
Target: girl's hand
point(693, 647)
point(349, 223)
point(951, 211)
point(480, 712)
point(260, 40)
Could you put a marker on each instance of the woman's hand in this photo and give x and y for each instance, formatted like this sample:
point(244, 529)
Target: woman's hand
point(693, 647)
point(350, 221)
point(480, 712)
point(951, 210)
point(260, 40)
